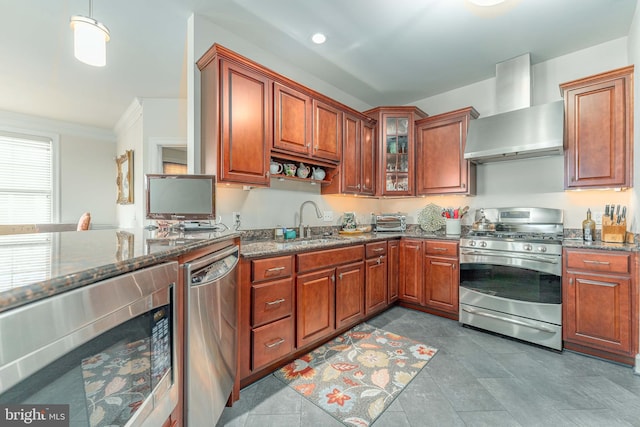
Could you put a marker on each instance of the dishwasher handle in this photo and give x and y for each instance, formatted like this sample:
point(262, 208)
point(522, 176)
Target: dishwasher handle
point(212, 267)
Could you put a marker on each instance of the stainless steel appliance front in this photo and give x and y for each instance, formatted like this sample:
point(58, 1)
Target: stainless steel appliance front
point(211, 335)
point(511, 278)
point(107, 350)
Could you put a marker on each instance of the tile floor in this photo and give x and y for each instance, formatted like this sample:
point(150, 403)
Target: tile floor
point(475, 379)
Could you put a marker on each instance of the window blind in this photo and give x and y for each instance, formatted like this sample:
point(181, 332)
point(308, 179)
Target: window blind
point(26, 179)
point(24, 259)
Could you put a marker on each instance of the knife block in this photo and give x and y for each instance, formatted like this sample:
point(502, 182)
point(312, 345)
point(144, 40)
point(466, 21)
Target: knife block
point(613, 232)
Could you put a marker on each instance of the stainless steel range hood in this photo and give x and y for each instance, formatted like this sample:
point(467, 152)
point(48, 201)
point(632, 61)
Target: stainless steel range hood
point(519, 130)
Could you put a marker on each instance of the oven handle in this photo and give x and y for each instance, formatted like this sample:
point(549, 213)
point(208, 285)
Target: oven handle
point(527, 258)
point(506, 319)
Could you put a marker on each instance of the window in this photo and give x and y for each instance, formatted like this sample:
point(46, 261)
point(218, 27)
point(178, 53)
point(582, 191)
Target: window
point(26, 179)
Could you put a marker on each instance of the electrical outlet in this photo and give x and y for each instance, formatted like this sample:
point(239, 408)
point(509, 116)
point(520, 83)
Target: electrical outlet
point(327, 216)
point(236, 217)
point(597, 217)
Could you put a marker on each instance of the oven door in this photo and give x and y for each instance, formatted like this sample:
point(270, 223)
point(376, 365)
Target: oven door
point(103, 354)
point(514, 294)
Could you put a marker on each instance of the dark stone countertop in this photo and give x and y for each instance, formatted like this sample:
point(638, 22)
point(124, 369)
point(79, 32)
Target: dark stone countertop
point(80, 258)
point(261, 248)
point(600, 245)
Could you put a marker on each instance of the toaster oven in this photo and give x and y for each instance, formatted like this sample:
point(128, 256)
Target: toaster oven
point(391, 222)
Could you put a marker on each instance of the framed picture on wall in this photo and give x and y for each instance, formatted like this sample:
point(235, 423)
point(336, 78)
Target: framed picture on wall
point(125, 178)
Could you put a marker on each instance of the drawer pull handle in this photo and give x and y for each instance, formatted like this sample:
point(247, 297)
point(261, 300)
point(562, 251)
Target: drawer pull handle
point(588, 261)
point(278, 301)
point(274, 269)
point(378, 249)
point(275, 343)
point(597, 283)
point(440, 249)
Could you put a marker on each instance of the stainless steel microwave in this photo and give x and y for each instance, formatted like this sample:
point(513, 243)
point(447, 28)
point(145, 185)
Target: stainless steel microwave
point(103, 354)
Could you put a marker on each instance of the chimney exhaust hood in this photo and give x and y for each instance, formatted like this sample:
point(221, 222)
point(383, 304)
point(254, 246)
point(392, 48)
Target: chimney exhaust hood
point(519, 130)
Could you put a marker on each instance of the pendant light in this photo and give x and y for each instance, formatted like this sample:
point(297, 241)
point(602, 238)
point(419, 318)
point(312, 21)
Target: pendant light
point(90, 39)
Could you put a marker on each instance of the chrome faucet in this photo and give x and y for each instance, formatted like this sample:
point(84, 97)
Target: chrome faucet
point(318, 212)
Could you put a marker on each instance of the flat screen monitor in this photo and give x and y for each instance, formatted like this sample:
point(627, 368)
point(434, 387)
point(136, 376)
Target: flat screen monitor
point(180, 197)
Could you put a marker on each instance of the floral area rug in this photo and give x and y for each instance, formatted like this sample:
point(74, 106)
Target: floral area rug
point(356, 376)
point(116, 382)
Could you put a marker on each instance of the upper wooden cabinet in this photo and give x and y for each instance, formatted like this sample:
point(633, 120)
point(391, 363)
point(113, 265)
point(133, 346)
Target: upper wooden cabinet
point(236, 119)
point(292, 120)
point(599, 130)
point(440, 164)
point(396, 155)
point(327, 131)
point(359, 156)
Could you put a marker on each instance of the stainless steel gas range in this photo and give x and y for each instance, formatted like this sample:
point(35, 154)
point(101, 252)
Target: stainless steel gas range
point(511, 274)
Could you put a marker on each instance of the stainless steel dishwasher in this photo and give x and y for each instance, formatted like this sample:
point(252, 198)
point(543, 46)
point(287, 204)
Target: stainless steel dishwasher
point(211, 334)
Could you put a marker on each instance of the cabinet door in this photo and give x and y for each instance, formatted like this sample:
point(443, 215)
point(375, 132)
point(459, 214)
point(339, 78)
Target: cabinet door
point(397, 154)
point(411, 260)
point(368, 159)
point(315, 303)
point(440, 164)
point(292, 118)
point(598, 123)
point(376, 284)
point(327, 131)
point(351, 149)
point(393, 266)
point(597, 312)
point(441, 281)
point(349, 294)
point(245, 126)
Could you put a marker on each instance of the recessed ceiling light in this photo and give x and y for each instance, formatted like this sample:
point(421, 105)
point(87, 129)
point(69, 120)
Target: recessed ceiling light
point(318, 38)
point(486, 3)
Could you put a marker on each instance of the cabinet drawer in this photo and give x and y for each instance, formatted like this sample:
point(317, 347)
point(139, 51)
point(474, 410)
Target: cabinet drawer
point(271, 301)
point(271, 268)
point(321, 259)
point(374, 250)
point(272, 341)
point(440, 247)
point(599, 261)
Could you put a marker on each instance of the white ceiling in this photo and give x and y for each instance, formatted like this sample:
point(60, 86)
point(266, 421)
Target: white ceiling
point(383, 52)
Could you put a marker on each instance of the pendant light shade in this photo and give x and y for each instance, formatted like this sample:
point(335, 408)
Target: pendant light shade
point(90, 39)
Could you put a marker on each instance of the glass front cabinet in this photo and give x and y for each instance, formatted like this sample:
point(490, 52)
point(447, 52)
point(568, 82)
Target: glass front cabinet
point(396, 147)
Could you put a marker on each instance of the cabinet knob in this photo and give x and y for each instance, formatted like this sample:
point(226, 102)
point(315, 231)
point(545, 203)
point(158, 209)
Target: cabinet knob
point(333, 277)
point(464, 185)
point(453, 266)
point(571, 280)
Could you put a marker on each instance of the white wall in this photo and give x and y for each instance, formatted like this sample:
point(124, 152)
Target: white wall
point(147, 121)
point(86, 164)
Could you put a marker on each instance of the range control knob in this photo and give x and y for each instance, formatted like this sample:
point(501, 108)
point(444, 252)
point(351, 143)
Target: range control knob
point(542, 249)
point(527, 247)
point(472, 243)
point(483, 244)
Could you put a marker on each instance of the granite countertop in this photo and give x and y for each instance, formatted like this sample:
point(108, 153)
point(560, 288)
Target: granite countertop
point(79, 258)
point(598, 244)
point(260, 248)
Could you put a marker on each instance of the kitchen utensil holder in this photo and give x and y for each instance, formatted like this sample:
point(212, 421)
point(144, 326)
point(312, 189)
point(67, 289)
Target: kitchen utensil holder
point(612, 232)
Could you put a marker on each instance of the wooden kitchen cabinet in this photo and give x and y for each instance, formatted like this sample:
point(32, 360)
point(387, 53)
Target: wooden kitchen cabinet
point(441, 277)
point(396, 150)
point(440, 164)
point(599, 130)
point(350, 297)
point(327, 131)
point(359, 159)
point(305, 125)
point(292, 120)
point(376, 277)
point(320, 307)
point(393, 270)
point(266, 320)
point(411, 271)
point(236, 118)
point(600, 303)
